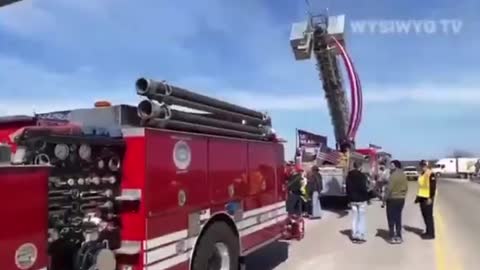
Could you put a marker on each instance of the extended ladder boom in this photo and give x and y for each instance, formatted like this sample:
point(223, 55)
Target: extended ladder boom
point(327, 65)
point(324, 37)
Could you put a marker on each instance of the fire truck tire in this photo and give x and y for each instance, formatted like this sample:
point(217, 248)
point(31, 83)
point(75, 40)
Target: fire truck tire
point(218, 248)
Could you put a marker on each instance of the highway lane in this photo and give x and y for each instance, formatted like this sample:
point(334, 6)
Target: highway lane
point(327, 246)
point(459, 211)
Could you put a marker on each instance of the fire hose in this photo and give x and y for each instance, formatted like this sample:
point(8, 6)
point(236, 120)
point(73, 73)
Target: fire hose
point(355, 92)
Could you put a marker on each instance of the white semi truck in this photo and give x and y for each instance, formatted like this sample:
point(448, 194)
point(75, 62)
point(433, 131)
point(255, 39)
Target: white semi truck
point(455, 167)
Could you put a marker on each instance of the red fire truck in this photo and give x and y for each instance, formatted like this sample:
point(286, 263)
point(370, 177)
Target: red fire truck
point(24, 229)
point(143, 188)
point(375, 158)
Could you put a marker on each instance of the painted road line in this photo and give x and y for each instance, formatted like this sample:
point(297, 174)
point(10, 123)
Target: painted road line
point(445, 256)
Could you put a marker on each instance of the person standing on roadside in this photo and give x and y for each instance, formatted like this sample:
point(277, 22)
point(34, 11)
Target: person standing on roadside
point(477, 168)
point(315, 187)
point(358, 196)
point(395, 193)
point(306, 204)
point(427, 186)
point(294, 186)
point(383, 177)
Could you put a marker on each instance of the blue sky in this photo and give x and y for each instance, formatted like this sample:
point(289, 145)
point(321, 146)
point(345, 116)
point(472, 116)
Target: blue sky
point(421, 94)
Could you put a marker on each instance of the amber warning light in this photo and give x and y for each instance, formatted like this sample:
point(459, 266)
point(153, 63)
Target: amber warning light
point(102, 103)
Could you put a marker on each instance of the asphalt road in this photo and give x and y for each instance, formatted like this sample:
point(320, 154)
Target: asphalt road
point(327, 247)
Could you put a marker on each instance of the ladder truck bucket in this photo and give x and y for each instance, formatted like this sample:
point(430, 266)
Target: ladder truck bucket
point(8, 2)
point(301, 40)
point(336, 29)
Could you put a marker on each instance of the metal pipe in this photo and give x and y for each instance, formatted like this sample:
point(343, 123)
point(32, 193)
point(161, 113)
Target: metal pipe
point(55, 207)
point(58, 207)
point(146, 87)
point(146, 111)
point(166, 113)
point(96, 194)
point(190, 127)
point(57, 182)
point(109, 179)
point(149, 109)
point(86, 207)
point(62, 193)
point(95, 180)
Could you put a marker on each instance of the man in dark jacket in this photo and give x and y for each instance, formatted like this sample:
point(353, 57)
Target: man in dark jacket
point(357, 193)
point(315, 187)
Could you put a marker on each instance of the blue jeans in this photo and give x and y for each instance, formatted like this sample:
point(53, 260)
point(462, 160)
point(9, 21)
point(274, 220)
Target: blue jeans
point(359, 210)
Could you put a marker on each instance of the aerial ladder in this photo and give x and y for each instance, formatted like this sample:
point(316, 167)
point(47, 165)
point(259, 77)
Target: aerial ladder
point(7, 2)
point(322, 37)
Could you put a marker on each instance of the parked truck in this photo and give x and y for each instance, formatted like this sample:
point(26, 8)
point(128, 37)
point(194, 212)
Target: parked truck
point(333, 165)
point(455, 167)
point(334, 176)
point(143, 188)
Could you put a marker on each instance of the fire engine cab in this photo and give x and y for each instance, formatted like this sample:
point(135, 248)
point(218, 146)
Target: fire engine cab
point(181, 181)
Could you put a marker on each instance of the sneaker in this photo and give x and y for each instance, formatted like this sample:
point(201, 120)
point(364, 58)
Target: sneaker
point(399, 240)
point(354, 239)
point(392, 240)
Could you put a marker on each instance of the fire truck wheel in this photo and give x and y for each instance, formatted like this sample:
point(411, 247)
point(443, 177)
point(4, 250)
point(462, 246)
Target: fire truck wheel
point(217, 249)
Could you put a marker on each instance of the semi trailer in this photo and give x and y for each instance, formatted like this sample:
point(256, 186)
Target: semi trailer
point(456, 167)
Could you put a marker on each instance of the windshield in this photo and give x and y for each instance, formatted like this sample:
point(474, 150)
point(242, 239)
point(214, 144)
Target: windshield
point(410, 169)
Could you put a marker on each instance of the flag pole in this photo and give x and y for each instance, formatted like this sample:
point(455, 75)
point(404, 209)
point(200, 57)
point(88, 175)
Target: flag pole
point(296, 138)
point(296, 145)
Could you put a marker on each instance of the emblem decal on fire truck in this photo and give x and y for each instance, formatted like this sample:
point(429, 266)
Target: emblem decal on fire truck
point(182, 156)
point(25, 256)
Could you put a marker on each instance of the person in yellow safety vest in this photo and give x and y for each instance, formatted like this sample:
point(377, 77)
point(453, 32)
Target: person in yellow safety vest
point(304, 195)
point(427, 185)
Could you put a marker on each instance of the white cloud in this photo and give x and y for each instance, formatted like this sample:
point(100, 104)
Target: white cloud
point(25, 87)
point(262, 39)
point(26, 19)
point(437, 94)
